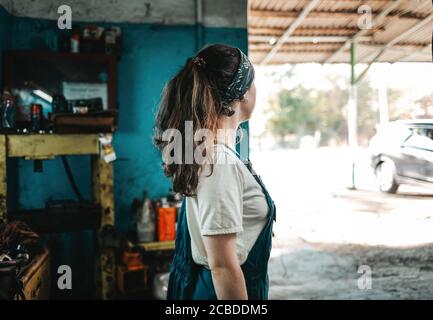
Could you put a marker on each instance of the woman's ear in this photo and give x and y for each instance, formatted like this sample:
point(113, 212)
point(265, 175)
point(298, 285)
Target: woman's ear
point(251, 93)
point(248, 102)
point(228, 110)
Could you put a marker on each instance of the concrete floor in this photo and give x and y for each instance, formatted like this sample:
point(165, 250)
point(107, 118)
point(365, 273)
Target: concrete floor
point(325, 232)
point(329, 271)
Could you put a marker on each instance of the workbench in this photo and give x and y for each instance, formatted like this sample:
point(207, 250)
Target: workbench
point(48, 146)
point(36, 277)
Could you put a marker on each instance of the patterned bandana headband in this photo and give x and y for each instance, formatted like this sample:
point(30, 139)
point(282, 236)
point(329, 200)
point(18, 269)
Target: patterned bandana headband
point(241, 81)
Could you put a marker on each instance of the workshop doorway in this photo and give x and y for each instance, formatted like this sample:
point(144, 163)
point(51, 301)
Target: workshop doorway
point(329, 75)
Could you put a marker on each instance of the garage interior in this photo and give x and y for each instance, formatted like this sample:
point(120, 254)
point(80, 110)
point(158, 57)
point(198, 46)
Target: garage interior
point(91, 190)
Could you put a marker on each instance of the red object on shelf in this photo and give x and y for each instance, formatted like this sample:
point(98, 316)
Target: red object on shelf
point(132, 260)
point(167, 224)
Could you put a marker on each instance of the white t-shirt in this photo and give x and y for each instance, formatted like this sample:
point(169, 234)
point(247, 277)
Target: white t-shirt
point(228, 201)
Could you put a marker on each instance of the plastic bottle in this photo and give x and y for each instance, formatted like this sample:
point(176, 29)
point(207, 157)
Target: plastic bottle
point(75, 40)
point(8, 112)
point(145, 222)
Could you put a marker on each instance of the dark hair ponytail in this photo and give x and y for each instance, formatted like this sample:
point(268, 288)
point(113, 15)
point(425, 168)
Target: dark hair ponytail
point(195, 94)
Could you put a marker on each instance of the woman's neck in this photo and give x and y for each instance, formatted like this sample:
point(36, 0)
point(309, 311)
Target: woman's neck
point(227, 128)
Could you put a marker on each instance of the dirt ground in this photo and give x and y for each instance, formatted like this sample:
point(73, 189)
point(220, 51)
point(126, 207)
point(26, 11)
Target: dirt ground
point(325, 232)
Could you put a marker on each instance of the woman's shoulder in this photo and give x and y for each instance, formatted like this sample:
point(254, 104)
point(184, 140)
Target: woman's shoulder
point(222, 162)
point(224, 155)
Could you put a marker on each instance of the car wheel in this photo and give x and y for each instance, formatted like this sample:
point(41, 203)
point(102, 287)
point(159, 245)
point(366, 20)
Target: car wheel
point(385, 175)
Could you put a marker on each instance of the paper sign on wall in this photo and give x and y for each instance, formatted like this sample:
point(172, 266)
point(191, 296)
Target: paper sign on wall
point(82, 90)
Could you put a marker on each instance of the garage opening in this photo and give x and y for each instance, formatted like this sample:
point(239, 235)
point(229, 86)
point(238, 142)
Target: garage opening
point(342, 136)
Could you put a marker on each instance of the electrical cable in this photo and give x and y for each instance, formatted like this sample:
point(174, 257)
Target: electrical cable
point(71, 178)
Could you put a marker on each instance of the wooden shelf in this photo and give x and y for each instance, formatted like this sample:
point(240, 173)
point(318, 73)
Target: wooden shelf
point(50, 145)
point(47, 146)
point(154, 246)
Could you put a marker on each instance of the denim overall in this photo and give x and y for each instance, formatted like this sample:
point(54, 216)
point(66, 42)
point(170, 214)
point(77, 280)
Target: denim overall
point(191, 281)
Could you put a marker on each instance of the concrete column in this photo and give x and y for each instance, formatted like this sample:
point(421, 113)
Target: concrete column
point(383, 105)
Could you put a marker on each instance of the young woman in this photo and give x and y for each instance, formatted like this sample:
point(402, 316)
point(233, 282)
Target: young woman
point(224, 228)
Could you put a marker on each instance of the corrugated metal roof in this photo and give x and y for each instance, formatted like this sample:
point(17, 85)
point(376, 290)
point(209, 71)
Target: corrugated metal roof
point(339, 20)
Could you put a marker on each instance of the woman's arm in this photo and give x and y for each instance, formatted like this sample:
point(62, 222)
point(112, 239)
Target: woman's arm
point(227, 275)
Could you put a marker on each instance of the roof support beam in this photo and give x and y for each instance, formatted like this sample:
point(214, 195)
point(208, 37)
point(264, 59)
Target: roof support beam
point(313, 39)
point(378, 53)
point(344, 14)
point(376, 21)
point(395, 40)
point(260, 50)
point(425, 51)
point(303, 31)
point(307, 9)
point(400, 49)
point(406, 51)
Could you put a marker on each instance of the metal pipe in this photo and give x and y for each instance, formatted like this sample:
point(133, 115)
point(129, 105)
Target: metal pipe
point(352, 63)
point(352, 108)
point(352, 112)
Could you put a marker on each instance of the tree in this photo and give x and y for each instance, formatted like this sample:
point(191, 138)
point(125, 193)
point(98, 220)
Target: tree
point(330, 107)
point(292, 114)
point(302, 111)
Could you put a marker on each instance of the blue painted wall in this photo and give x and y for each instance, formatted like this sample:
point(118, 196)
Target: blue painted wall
point(5, 33)
point(151, 55)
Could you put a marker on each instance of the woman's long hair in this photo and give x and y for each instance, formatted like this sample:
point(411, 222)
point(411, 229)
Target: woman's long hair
point(195, 94)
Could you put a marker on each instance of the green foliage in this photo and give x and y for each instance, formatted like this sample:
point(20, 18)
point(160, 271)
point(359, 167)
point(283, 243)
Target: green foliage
point(302, 111)
point(293, 114)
